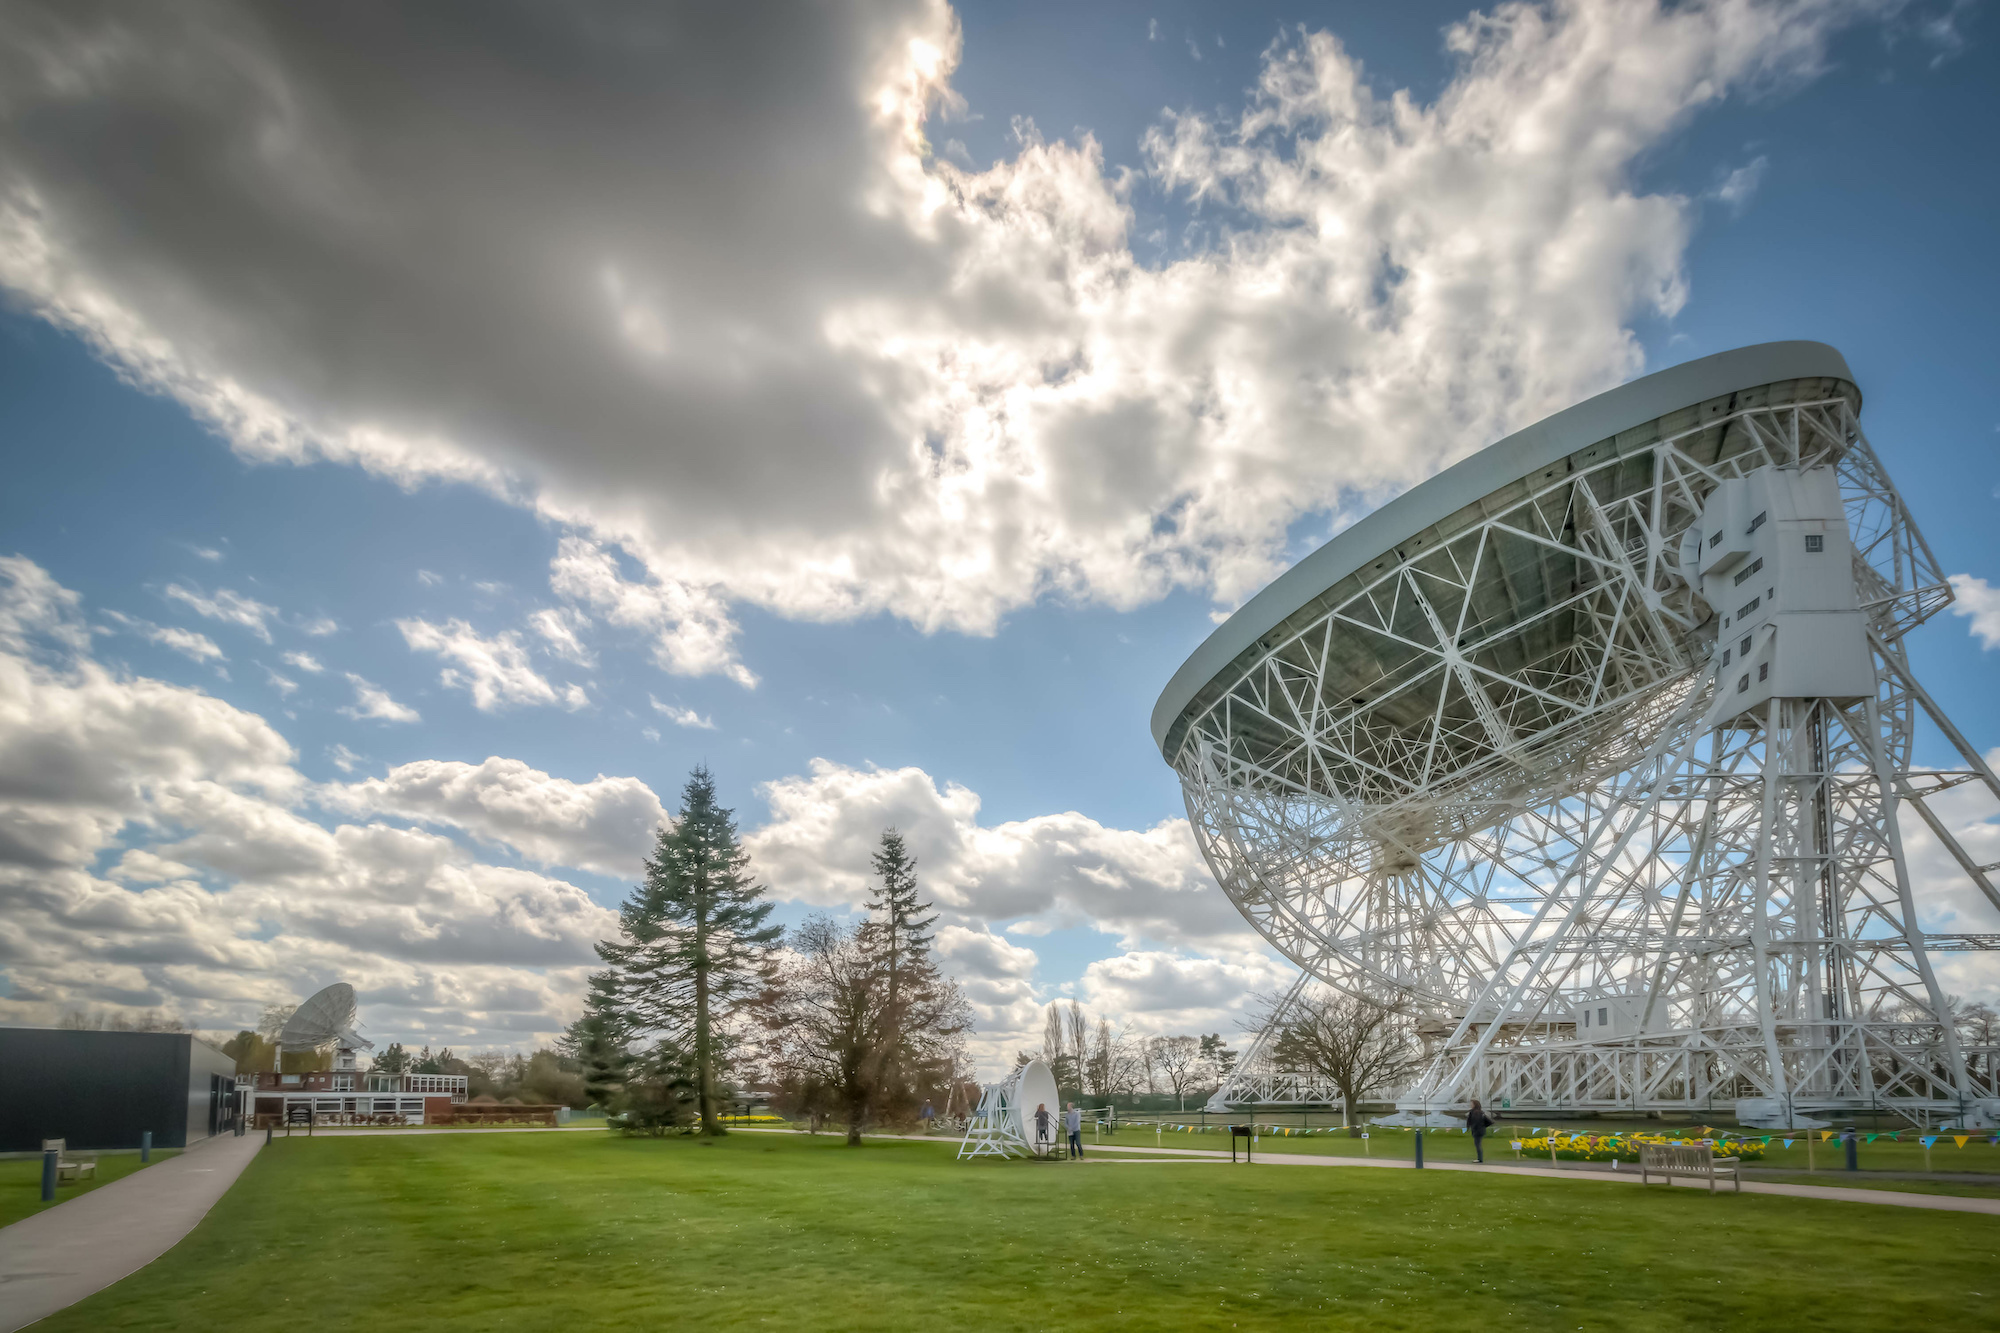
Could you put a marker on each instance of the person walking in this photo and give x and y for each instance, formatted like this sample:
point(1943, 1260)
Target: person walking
point(1073, 1122)
point(1041, 1127)
point(927, 1115)
point(1478, 1122)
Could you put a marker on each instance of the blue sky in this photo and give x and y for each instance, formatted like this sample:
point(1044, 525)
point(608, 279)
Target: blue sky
point(346, 388)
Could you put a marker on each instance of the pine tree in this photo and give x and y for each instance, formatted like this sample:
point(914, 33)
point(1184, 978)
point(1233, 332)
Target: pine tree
point(921, 1013)
point(598, 1042)
point(693, 941)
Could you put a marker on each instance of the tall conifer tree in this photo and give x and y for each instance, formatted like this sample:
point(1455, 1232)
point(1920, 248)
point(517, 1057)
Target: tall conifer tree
point(922, 1013)
point(693, 940)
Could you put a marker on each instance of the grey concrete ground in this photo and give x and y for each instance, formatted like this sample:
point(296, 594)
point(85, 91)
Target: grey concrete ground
point(64, 1253)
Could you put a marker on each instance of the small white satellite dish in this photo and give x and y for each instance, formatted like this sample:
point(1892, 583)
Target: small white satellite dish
point(1004, 1125)
point(327, 1019)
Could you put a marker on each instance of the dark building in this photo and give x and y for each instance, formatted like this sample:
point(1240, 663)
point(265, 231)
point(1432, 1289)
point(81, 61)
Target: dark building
point(103, 1090)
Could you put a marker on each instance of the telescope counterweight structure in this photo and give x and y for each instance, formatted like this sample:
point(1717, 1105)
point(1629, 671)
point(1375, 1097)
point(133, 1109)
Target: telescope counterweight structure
point(1590, 751)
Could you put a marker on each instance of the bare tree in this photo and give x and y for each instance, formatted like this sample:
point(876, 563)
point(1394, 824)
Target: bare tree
point(1179, 1061)
point(1358, 1044)
point(1979, 1034)
point(824, 1020)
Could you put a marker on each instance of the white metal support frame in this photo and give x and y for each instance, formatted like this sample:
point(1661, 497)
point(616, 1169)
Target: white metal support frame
point(1502, 771)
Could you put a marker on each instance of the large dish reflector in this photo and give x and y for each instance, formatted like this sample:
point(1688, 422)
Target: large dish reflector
point(325, 1019)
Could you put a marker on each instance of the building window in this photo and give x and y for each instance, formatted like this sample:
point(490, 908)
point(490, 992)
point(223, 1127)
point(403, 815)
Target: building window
point(1743, 684)
point(1758, 521)
point(1750, 569)
point(1744, 647)
point(1600, 1018)
point(1716, 540)
point(1815, 543)
point(1748, 607)
point(1725, 657)
point(1763, 671)
point(288, 1078)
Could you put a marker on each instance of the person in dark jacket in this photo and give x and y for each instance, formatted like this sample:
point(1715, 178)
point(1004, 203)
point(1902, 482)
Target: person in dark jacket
point(1041, 1127)
point(1478, 1122)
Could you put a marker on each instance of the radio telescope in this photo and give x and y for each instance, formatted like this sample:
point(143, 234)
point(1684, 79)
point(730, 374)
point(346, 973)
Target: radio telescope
point(1591, 751)
point(1004, 1124)
point(326, 1019)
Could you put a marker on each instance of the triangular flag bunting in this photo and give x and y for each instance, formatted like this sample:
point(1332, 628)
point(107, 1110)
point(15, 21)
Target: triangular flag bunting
point(1788, 1143)
point(1825, 1134)
point(1928, 1140)
point(1873, 1137)
point(1960, 1139)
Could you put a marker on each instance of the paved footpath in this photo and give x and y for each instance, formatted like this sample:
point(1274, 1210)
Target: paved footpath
point(1948, 1203)
point(63, 1254)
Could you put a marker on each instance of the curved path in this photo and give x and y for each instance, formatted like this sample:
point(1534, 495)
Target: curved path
point(63, 1254)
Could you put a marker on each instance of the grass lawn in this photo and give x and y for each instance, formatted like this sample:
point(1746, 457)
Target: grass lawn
point(21, 1182)
point(549, 1231)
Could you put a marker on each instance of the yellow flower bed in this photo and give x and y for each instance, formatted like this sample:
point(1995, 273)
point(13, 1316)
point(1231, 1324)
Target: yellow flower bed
point(1625, 1147)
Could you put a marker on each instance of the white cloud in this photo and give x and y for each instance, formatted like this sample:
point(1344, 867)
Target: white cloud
point(1167, 993)
point(372, 701)
point(224, 897)
point(208, 553)
point(1979, 602)
point(876, 381)
point(605, 825)
point(186, 642)
point(561, 629)
point(428, 579)
point(34, 609)
point(997, 977)
point(226, 605)
point(344, 759)
point(495, 671)
point(693, 635)
point(1740, 185)
point(284, 685)
point(304, 662)
point(320, 626)
point(1138, 885)
point(682, 717)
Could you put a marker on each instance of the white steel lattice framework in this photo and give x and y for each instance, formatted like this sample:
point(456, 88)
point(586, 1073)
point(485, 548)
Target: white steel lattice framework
point(1486, 752)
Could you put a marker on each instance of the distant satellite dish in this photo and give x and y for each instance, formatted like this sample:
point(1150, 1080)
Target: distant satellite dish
point(327, 1019)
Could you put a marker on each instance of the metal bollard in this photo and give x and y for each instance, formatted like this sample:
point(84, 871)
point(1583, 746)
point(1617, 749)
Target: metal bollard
point(48, 1176)
point(1420, 1148)
point(1853, 1156)
point(145, 1146)
point(267, 1133)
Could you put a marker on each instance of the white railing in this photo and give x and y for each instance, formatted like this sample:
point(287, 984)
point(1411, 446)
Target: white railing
point(452, 1085)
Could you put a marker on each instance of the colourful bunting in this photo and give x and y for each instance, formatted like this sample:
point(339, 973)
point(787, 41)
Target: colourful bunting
point(1960, 1139)
point(1928, 1140)
point(1788, 1143)
point(1873, 1137)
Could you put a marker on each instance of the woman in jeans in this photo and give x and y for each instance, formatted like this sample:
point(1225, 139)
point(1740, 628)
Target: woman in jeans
point(1478, 1122)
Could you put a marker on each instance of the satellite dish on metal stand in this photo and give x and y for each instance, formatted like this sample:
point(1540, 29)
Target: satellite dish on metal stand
point(1004, 1125)
point(327, 1019)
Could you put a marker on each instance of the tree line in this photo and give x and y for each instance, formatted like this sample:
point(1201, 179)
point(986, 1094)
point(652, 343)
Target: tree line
point(1093, 1061)
point(702, 998)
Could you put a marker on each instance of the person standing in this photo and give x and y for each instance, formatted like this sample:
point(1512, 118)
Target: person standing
point(1478, 1122)
point(1041, 1127)
point(1073, 1122)
point(927, 1115)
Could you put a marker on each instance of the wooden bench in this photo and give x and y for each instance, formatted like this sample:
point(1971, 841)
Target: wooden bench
point(1696, 1160)
point(67, 1170)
